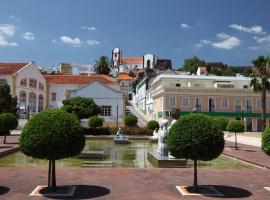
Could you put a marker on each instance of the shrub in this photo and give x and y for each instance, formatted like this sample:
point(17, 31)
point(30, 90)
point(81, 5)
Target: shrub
point(95, 122)
point(83, 107)
point(130, 120)
point(266, 141)
point(8, 122)
point(152, 125)
point(52, 134)
point(221, 122)
point(195, 137)
point(235, 126)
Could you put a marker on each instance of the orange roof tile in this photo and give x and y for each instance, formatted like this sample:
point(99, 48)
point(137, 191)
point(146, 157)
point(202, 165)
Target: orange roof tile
point(77, 79)
point(135, 60)
point(124, 76)
point(10, 68)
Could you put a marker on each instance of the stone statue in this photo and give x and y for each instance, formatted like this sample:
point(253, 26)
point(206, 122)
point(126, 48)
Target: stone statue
point(119, 135)
point(162, 145)
point(155, 134)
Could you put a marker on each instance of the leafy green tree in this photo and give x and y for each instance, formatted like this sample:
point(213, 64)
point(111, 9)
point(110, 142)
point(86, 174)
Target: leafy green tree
point(8, 121)
point(235, 126)
point(191, 64)
point(95, 122)
point(152, 125)
point(52, 134)
point(103, 65)
point(222, 122)
point(8, 104)
point(260, 82)
point(81, 106)
point(195, 137)
point(266, 141)
point(130, 120)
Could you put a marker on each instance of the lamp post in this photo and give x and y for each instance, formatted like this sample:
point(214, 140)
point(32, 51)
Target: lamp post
point(242, 115)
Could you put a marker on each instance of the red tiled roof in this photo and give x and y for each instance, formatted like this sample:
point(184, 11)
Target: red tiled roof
point(10, 68)
point(77, 79)
point(124, 76)
point(134, 60)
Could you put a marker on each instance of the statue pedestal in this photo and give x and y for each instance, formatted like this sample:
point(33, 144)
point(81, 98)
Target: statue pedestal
point(165, 161)
point(121, 141)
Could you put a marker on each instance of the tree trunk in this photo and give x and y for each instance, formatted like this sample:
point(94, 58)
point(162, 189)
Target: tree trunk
point(195, 183)
point(263, 110)
point(53, 175)
point(5, 139)
point(49, 174)
point(235, 138)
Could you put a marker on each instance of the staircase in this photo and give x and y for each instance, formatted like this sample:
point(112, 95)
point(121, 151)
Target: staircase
point(132, 109)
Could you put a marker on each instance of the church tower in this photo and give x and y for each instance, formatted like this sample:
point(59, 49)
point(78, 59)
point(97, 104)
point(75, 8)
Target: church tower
point(116, 58)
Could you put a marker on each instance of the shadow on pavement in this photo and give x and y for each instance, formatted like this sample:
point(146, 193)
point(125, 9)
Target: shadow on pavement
point(232, 192)
point(87, 192)
point(3, 190)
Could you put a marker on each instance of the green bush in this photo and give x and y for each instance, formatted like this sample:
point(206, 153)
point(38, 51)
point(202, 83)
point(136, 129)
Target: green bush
point(221, 122)
point(52, 134)
point(81, 106)
point(130, 120)
point(235, 126)
point(195, 137)
point(152, 125)
point(95, 122)
point(8, 122)
point(266, 141)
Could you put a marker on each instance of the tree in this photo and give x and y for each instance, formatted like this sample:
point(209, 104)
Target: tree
point(191, 64)
point(152, 125)
point(266, 141)
point(81, 106)
point(195, 137)
point(130, 120)
point(8, 104)
point(222, 122)
point(95, 122)
point(8, 121)
point(52, 134)
point(235, 126)
point(103, 65)
point(260, 82)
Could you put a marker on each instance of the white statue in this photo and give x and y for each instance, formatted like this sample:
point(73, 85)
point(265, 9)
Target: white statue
point(155, 134)
point(162, 145)
point(119, 134)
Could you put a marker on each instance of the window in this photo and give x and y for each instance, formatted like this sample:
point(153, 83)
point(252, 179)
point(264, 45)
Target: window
point(238, 105)
point(33, 83)
point(249, 105)
point(178, 85)
point(24, 82)
point(211, 105)
point(259, 103)
point(53, 96)
point(69, 93)
point(22, 100)
point(40, 102)
point(225, 103)
point(40, 86)
point(198, 104)
point(3, 81)
point(245, 86)
point(32, 102)
point(106, 111)
point(186, 101)
point(172, 101)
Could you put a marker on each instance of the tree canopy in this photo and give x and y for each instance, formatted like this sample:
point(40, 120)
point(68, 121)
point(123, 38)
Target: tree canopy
point(8, 104)
point(103, 65)
point(191, 64)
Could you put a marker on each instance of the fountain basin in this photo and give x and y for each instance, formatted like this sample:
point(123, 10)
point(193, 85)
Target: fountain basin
point(165, 161)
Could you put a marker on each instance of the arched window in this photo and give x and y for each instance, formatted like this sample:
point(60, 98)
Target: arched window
point(32, 102)
point(40, 102)
point(148, 64)
point(22, 100)
point(24, 82)
point(40, 86)
point(33, 83)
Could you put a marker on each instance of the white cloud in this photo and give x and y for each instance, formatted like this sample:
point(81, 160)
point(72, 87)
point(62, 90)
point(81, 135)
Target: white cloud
point(54, 41)
point(184, 26)
point(28, 36)
point(7, 29)
point(222, 35)
point(5, 42)
point(262, 47)
point(263, 40)
point(205, 41)
point(92, 28)
point(253, 29)
point(76, 42)
point(93, 42)
point(202, 43)
point(227, 43)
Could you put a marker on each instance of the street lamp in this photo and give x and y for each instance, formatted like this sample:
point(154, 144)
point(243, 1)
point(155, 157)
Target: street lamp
point(242, 115)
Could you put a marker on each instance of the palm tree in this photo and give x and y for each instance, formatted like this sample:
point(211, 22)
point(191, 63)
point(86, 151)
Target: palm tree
point(260, 81)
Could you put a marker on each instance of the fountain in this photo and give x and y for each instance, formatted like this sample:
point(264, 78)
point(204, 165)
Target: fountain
point(120, 138)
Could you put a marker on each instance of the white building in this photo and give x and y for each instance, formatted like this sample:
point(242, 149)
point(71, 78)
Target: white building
point(27, 83)
point(125, 81)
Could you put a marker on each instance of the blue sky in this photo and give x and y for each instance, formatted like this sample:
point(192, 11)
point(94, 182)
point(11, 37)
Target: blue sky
point(79, 31)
